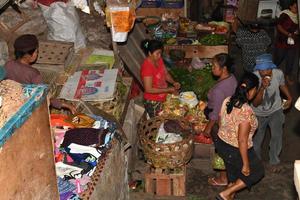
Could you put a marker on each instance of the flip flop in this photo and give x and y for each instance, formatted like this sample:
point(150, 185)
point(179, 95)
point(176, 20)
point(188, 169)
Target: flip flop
point(213, 181)
point(218, 197)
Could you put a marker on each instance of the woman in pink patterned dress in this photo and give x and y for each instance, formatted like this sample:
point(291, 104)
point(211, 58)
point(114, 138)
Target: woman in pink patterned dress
point(234, 144)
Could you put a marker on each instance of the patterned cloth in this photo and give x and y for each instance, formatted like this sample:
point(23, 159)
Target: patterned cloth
point(152, 107)
point(252, 44)
point(229, 123)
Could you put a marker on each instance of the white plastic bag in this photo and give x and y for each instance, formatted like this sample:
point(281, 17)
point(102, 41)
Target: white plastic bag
point(63, 23)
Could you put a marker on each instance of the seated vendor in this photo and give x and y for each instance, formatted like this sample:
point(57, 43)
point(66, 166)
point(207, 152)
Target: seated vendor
point(20, 69)
point(155, 77)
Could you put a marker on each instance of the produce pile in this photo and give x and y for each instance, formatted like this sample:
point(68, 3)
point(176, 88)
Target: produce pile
point(198, 80)
point(173, 107)
point(12, 98)
point(213, 40)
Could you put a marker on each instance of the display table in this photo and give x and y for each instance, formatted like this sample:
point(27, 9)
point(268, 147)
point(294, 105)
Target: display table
point(200, 51)
point(27, 164)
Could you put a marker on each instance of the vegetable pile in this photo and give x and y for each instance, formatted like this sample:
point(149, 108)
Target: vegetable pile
point(213, 40)
point(199, 80)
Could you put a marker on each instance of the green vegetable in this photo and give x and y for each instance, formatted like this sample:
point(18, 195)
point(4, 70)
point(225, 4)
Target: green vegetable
point(198, 81)
point(213, 40)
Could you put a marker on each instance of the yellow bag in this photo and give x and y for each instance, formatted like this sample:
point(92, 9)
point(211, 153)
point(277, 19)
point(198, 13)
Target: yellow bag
point(81, 121)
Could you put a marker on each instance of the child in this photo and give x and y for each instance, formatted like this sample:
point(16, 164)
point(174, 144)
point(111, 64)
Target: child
point(20, 69)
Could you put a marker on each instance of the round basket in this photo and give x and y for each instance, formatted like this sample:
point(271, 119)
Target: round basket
point(164, 156)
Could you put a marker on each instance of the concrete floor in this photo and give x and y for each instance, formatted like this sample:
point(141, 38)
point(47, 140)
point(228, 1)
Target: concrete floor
point(273, 186)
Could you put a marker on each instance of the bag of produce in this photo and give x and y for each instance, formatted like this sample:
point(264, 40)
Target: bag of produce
point(218, 162)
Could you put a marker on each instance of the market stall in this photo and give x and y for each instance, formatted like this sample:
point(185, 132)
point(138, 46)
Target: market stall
point(27, 162)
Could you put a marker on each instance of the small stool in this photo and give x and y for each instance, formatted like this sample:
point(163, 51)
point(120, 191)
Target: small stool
point(162, 182)
point(265, 5)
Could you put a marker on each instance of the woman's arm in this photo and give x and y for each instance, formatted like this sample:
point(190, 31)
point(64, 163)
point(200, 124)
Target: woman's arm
point(149, 89)
point(208, 128)
point(171, 80)
point(243, 135)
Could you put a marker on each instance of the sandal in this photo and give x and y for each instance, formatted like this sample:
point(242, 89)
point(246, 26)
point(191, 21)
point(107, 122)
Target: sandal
point(214, 182)
point(218, 197)
point(275, 169)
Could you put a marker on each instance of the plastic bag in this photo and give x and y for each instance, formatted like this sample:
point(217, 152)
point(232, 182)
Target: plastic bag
point(218, 162)
point(63, 23)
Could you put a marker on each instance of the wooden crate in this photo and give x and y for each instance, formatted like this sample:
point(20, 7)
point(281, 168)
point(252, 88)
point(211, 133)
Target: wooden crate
point(200, 51)
point(54, 52)
point(163, 182)
point(141, 12)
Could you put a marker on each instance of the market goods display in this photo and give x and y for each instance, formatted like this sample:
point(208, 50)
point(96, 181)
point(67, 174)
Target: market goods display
point(166, 156)
point(13, 98)
point(213, 40)
point(198, 80)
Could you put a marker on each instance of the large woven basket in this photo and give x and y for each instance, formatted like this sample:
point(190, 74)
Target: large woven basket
point(164, 156)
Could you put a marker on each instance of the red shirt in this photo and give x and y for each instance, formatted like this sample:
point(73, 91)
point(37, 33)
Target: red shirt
point(288, 25)
point(158, 75)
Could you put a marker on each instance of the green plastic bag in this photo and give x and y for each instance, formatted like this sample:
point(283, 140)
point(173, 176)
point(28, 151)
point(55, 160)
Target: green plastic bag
point(218, 162)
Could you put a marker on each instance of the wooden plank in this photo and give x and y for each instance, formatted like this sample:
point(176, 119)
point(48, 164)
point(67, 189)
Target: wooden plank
point(163, 187)
point(200, 51)
point(179, 186)
point(27, 169)
point(141, 12)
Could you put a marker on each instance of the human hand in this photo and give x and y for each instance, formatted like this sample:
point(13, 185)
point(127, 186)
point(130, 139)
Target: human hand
point(246, 170)
point(177, 85)
point(70, 107)
point(266, 81)
point(287, 104)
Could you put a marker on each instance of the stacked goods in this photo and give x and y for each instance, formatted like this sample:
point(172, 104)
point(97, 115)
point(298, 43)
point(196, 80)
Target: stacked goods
point(12, 96)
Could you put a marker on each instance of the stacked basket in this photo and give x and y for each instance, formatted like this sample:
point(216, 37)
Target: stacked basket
point(164, 156)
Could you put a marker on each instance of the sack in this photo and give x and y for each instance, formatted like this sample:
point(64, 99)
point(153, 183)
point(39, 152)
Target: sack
point(63, 22)
point(218, 162)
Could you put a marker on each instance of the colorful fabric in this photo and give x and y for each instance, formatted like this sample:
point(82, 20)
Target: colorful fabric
point(287, 24)
point(36, 94)
point(152, 107)
point(252, 44)
point(158, 75)
point(218, 93)
point(229, 123)
point(22, 73)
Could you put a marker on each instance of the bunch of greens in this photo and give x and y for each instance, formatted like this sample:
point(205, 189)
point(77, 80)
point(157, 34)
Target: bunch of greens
point(199, 80)
point(213, 40)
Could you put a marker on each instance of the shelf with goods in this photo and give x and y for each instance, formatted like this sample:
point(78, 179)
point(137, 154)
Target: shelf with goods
point(171, 7)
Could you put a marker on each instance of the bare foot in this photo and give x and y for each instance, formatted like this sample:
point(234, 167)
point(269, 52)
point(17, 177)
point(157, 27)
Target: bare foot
point(216, 182)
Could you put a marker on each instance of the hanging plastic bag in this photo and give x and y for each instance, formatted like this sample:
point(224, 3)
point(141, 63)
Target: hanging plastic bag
point(218, 162)
point(63, 22)
point(121, 20)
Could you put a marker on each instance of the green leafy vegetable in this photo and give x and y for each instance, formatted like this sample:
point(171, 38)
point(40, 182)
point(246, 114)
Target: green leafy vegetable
point(198, 81)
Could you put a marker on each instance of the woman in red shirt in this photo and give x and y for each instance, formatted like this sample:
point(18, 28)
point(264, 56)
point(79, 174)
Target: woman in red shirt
point(155, 77)
point(287, 51)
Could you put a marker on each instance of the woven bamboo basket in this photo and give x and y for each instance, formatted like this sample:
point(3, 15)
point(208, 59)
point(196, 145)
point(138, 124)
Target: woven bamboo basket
point(164, 156)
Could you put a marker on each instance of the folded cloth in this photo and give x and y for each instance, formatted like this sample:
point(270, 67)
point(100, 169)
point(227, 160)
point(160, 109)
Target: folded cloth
point(64, 170)
point(84, 136)
point(76, 148)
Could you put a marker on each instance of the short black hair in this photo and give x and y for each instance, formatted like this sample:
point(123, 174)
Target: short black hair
point(149, 46)
point(21, 54)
